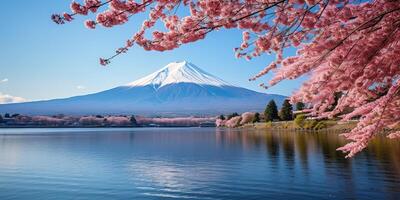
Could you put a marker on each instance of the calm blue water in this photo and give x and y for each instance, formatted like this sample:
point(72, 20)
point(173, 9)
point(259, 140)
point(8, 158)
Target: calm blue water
point(191, 163)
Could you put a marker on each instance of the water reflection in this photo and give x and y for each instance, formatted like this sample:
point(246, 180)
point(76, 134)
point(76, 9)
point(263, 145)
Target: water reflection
point(299, 146)
point(195, 163)
point(315, 154)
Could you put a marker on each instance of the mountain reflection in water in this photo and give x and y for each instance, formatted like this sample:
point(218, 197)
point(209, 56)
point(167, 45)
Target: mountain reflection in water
point(194, 163)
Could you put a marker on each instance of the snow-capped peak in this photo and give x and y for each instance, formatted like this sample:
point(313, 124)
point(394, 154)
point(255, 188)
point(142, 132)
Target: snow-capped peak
point(178, 72)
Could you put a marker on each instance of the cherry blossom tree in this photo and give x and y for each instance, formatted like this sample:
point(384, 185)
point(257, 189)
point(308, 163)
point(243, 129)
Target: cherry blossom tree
point(345, 46)
point(247, 117)
point(176, 121)
point(46, 120)
point(91, 120)
point(235, 121)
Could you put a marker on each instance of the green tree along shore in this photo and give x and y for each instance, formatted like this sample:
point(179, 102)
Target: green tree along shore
point(283, 118)
point(286, 113)
point(271, 112)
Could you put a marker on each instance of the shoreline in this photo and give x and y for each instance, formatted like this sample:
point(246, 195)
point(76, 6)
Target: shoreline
point(331, 126)
point(76, 127)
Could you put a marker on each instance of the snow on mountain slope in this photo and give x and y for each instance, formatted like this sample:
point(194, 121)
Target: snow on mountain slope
point(178, 72)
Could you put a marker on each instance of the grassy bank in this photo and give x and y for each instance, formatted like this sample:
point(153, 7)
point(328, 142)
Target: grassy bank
point(325, 125)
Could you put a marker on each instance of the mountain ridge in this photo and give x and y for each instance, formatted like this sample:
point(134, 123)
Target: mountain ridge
point(178, 89)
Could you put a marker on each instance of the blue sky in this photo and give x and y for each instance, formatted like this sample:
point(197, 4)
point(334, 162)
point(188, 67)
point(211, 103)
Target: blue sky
point(42, 60)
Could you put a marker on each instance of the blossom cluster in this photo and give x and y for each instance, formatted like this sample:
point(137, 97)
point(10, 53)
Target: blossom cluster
point(236, 121)
point(176, 121)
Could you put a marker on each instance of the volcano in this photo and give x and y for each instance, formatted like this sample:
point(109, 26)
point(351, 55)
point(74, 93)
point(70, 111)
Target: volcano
point(178, 89)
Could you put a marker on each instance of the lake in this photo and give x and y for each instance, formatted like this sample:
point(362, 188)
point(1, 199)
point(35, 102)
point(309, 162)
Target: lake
point(192, 163)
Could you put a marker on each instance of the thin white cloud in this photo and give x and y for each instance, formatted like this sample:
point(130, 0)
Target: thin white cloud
point(6, 98)
point(4, 80)
point(80, 87)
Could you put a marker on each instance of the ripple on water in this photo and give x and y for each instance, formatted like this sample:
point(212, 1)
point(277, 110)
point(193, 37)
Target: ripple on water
point(191, 164)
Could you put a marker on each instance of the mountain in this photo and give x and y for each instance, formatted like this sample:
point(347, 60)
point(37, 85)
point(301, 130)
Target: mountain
point(180, 88)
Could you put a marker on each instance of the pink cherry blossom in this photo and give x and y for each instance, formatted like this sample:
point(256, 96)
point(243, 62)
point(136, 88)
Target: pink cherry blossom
point(247, 117)
point(233, 122)
point(103, 61)
point(91, 120)
point(90, 24)
point(118, 120)
point(67, 17)
point(78, 8)
point(176, 121)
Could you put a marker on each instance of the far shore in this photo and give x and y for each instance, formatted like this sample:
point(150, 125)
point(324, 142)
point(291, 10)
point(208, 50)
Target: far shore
point(331, 126)
point(75, 127)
